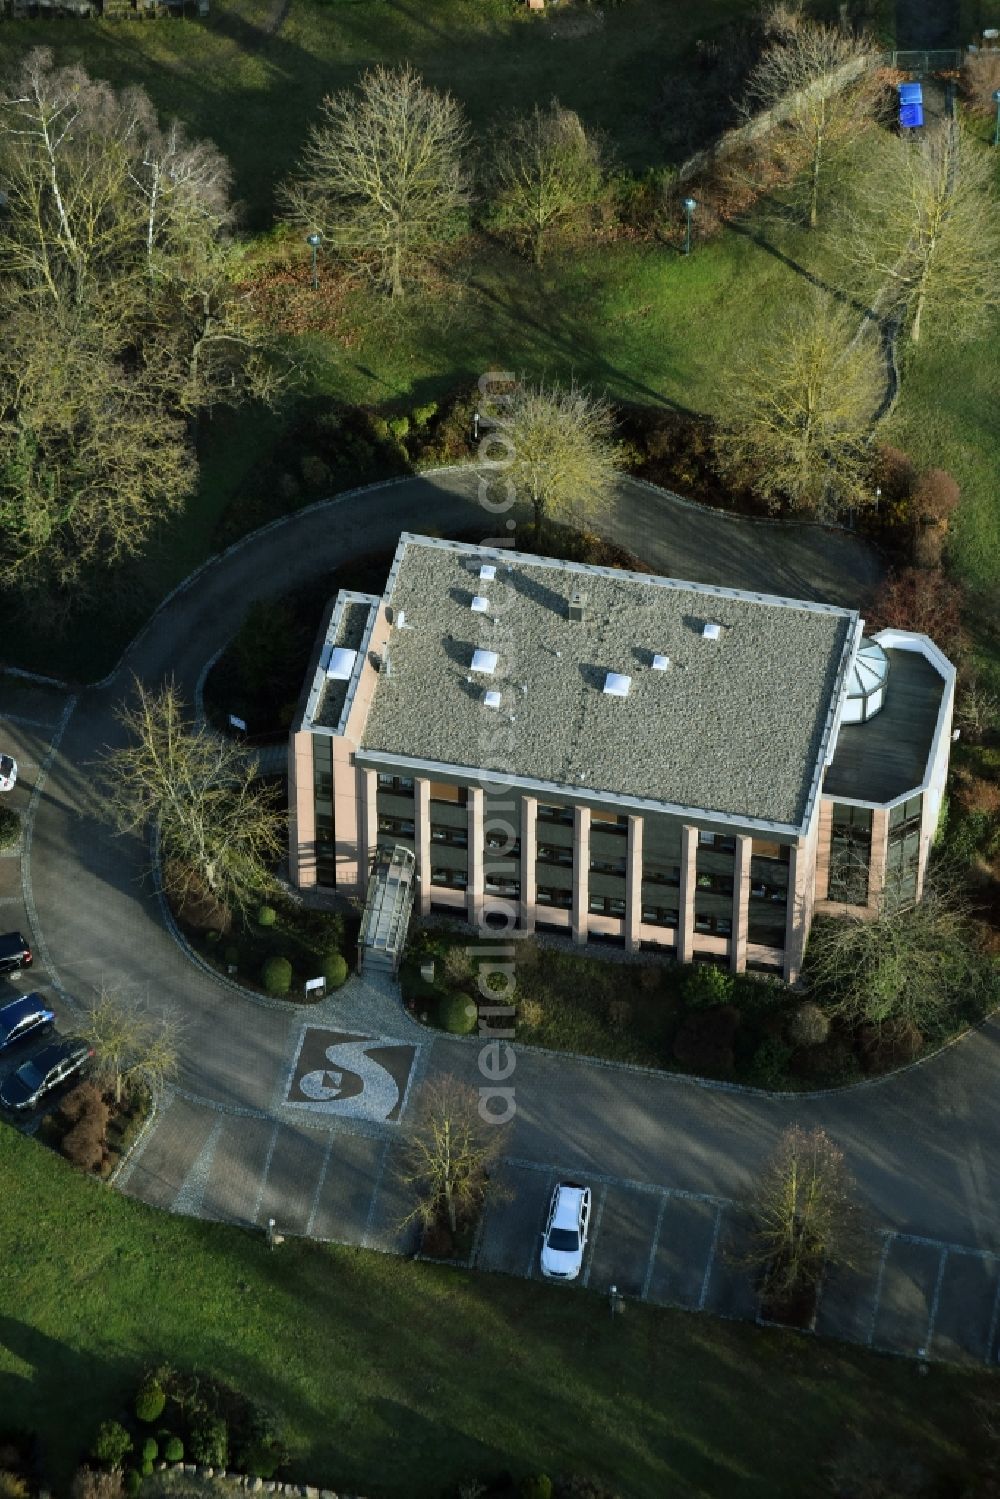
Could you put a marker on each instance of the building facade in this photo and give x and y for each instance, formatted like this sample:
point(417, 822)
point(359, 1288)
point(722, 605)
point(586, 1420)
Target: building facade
point(617, 756)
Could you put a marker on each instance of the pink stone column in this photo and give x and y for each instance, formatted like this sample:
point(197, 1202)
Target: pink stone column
point(529, 817)
point(302, 811)
point(476, 840)
point(741, 904)
point(422, 840)
point(581, 872)
point(367, 794)
point(633, 885)
point(685, 916)
point(879, 855)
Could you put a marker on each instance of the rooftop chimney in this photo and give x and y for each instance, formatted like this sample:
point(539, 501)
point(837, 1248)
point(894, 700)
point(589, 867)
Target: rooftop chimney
point(577, 606)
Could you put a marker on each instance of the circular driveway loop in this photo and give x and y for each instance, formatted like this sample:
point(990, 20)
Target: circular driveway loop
point(924, 1145)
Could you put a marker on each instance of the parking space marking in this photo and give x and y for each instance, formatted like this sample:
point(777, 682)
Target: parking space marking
point(384, 1156)
point(647, 1278)
point(710, 1262)
point(603, 1177)
point(886, 1246)
point(265, 1172)
point(593, 1238)
point(935, 1302)
point(319, 1187)
point(553, 1177)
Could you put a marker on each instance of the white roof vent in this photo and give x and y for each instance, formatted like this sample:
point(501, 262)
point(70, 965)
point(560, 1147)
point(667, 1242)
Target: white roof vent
point(487, 572)
point(484, 661)
point(341, 664)
point(480, 604)
point(661, 663)
point(491, 699)
point(616, 685)
point(711, 631)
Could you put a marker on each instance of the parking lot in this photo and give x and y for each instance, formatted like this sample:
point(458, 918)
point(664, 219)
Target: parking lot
point(914, 1296)
point(29, 727)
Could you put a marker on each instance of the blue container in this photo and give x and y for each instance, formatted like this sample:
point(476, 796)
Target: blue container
point(910, 93)
point(911, 115)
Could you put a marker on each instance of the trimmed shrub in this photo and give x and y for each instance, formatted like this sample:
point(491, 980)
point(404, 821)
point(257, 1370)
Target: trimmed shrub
point(423, 414)
point(276, 975)
point(111, 1444)
point(150, 1403)
point(208, 1439)
point(173, 1452)
point(705, 985)
point(704, 1040)
point(457, 1014)
point(809, 1025)
point(133, 1483)
point(890, 1046)
point(266, 916)
point(10, 827)
point(231, 957)
point(769, 1068)
point(147, 1467)
point(335, 970)
point(150, 1450)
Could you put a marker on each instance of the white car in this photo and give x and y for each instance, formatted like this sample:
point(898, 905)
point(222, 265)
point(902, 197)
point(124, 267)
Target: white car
point(565, 1236)
point(8, 772)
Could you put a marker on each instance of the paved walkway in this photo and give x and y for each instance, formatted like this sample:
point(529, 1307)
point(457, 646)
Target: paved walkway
point(269, 1117)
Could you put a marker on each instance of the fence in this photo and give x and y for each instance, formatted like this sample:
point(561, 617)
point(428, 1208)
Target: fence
point(926, 62)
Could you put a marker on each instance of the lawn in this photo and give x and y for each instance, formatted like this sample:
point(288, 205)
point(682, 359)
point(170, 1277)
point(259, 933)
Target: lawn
point(401, 1379)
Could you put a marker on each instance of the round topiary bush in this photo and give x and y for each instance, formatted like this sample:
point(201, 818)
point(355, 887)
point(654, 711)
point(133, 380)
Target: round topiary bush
point(232, 957)
point(133, 1483)
point(335, 970)
point(111, 1444)
point(150, 1449)
point(150, 1400)
point(809, 1025)
point(705, 986)
point(457, 1014)
point(147, 1467)
point(266, 916)
point(10, 827)
point(173, 1452)
point(276, 975)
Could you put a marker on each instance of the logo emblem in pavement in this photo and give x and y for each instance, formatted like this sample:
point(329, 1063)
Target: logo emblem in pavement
point(358, 1077)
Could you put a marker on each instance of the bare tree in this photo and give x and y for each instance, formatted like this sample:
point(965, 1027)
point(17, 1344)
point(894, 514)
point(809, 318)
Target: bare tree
point(449, 1154)
point(799, 408)
point(544, 170)
point(555, 450)
point(132, 1045)
point(911, 965)
point(927, 230)
point(382, 175)
point(818, 79)
point(219, 828)
point(803, 1212)
point(90, 457)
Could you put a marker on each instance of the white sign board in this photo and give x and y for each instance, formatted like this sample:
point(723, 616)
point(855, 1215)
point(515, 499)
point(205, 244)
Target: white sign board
point(313, 984)
point(237, 723)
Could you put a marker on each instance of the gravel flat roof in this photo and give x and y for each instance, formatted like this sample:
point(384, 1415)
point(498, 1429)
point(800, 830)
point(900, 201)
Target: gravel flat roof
point(735, 726)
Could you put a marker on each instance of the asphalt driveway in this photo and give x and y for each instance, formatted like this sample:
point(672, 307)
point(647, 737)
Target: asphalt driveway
point(236, 1140)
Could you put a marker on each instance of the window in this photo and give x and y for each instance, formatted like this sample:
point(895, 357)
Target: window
point(718, 926)
point(719, 884)
point(850, 853)
point(443, 791)
point(549, 813)
point(401, 825)
point(606, 905)
point(397, 785)
point(496, 843)
point(561, 898)
point(549, 853)
point(902, 863)
point(452, 879)
point(905, 818)
point(607, 866)
point(611, 822)
point(659, 916)
point(495, 884)
point(764, 848)
point(455, 837)
point(662, 874)
point(722, 843)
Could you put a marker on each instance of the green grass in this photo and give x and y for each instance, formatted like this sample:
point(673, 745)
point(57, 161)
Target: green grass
point(401, 1379)
point(256, 95)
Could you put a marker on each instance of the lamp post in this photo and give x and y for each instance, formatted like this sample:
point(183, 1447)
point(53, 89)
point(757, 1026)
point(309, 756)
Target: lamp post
point(996, 130)
point(314, 241)
point(689, 207)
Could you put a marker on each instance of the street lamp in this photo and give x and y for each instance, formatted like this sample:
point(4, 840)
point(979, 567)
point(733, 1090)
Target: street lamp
point(996, 132)
point(314, 241)
point(689, 207)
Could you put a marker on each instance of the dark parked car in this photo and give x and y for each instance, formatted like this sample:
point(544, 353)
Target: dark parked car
point(23, 1017)
point(15, 953)
point(46, 1070)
